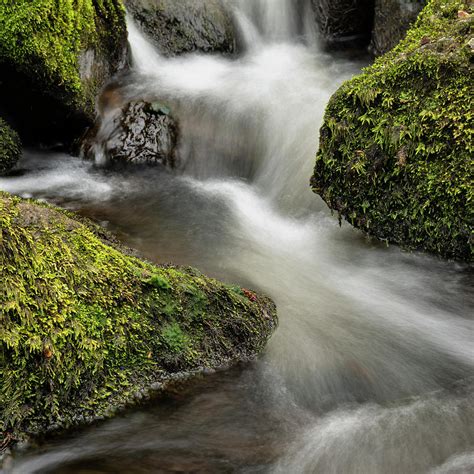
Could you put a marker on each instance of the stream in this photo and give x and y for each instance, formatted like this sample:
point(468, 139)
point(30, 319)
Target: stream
point(371, 369)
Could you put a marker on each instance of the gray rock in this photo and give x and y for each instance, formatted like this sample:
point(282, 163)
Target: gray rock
point(139, 133)
point(186, 25)
point(391, 22)
point(344, 22)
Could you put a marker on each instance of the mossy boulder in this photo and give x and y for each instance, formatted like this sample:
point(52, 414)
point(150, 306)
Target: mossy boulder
point(55, 56)
point(396, 146)
point(185, 26)
point(87, 327)
point(392, 19)
point(10, 147)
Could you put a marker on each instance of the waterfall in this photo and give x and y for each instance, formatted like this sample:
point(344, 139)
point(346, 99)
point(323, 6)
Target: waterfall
point(277, 20)
point(359, 376)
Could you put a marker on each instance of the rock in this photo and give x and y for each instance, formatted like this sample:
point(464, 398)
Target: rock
point(184, 26)
point(115, 325)
point(395, 156)
point(391, 22)
point(54, 59)
point(346, 23)
point(138, 133)
point(10, 147)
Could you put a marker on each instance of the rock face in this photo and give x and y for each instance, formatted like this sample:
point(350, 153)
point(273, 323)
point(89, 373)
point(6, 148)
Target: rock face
point(344, 22)
point(395, 155)
point(391, 22)
point(54, 59)
point(10, 147)
point(136, 133)
point(87, 327)
point(184, 26)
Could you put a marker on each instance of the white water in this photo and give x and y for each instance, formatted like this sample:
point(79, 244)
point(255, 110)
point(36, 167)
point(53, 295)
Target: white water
point(359, 376)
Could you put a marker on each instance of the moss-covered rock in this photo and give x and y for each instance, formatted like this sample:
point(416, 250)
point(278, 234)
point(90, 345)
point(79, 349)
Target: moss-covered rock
point(55, 56)
point(10, 147)
point(86, 326)
point(184, 26)
point(396, 146)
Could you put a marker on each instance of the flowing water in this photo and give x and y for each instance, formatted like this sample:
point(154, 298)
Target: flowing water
point(371, 368)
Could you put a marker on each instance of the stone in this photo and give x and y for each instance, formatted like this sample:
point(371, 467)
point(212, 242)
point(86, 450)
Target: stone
point(392, 20)
point(184, 26)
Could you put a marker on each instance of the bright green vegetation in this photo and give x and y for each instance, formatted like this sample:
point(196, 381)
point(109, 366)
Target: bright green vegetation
point(396, 147)
point(10, 147)
point(46, 40)
point(85, 325)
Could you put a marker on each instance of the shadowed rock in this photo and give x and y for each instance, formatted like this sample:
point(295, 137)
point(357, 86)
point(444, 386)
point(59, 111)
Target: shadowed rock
point(184, 26)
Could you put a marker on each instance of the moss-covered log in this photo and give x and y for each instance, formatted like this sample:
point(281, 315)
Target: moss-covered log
point(85, 325)
point(10, 147)
point(396, 146)
point(54, 57)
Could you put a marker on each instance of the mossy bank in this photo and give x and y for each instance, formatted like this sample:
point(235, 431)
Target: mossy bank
point(396, 146)
point(86, 326)
point(55, 56)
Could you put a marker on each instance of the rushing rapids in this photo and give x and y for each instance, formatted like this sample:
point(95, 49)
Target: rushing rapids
point(371, 368)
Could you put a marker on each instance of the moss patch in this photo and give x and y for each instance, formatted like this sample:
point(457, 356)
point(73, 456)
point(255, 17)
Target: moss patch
point(85, 325)
point(10, 147)
point(396, 146)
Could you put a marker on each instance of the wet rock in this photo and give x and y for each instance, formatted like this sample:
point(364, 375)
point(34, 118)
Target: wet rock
point(344, 22)
point(184, 26)
point(391, 22)
point(138, 133)
point(53, 69)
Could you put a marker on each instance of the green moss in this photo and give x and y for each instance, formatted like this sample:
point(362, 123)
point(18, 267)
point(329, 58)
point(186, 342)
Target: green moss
point(10, 147)
point(85, 325)
point(43, 39)
point(396, 146)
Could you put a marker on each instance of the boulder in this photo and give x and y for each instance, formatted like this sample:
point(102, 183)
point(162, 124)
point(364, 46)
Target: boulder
point(135, 133)
point(184, 26)
point(88, 328)
point(395, 156)
point(55, 57)
point(10, 147)
point(391, 22)
point(344, 23)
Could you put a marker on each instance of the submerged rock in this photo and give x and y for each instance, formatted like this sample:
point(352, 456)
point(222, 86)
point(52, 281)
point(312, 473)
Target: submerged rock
point(55, 57)
point(344, 22)
point(184, 26)
point(395, 155)
point(10, 147)
point(136, 133)
point(391, 22)
point(88, 328)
